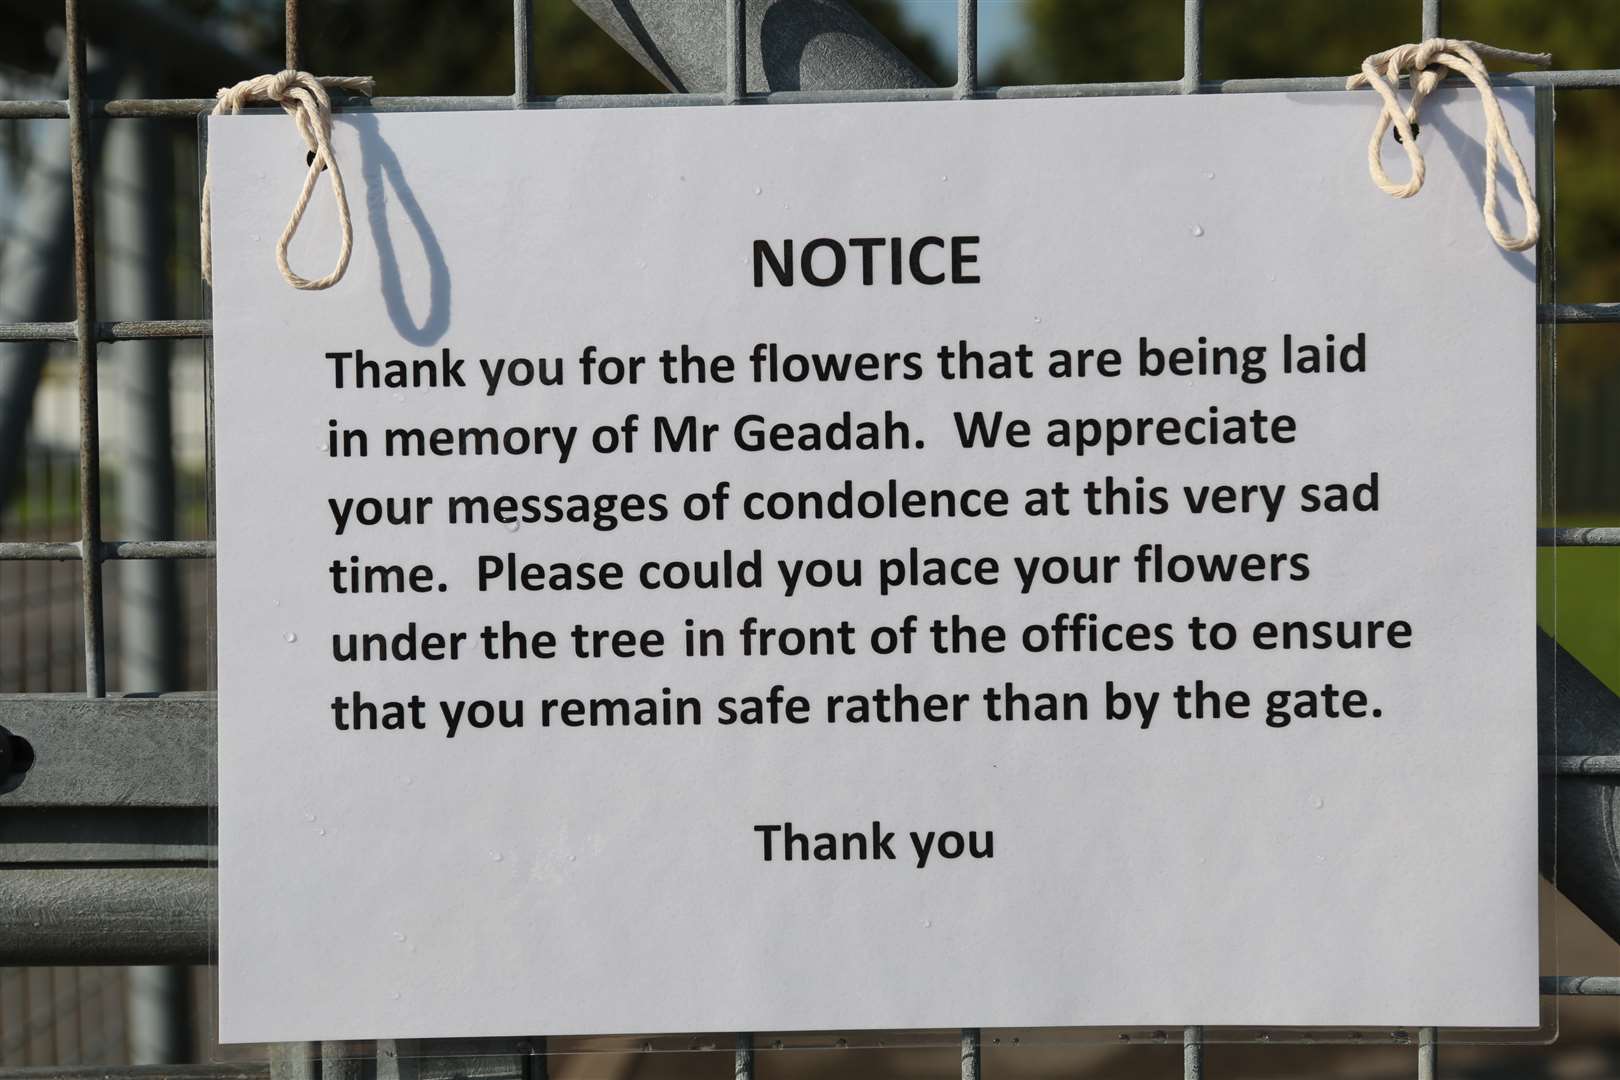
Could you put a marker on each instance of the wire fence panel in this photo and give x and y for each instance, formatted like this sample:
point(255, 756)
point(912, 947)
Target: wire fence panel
point(135, 775)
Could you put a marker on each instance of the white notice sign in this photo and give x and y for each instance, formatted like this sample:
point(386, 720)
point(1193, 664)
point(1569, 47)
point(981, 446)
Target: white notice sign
point(897, 565)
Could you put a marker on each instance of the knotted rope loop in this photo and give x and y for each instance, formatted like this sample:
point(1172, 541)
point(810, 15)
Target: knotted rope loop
point(304, 97)
point(1428, 63)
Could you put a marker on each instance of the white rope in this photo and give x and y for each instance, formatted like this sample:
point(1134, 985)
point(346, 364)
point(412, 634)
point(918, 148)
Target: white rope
point(304, 97)
point(1463, 57)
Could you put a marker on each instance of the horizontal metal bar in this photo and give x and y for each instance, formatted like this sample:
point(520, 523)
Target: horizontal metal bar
point(1583, 537)
point(135, 330)
point(139, 330)
point(191, 108)
point(1578, 79)
point(70, 551)
point(1580, 313)
point(63, 836)
point(1583, 765)
point(107, 915)
point(247, 1070)
point(140, 751)
point(1581, 985)
point(1571, 79)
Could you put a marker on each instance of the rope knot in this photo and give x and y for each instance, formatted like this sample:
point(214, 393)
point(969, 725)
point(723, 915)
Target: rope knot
point(1428, 62)
point(305, 98)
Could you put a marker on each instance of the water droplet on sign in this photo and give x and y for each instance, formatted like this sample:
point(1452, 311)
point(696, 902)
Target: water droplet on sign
point(407, 780)
point(308, 816)
point(399, 935)
point(1209, 174)
point(1198, 230)
point(1318, 802)
point(290, 637)
point(496, 856)
point(511, 526)
point(399, 397)
point(757, 189)
point(928, 923)
point(393, 995)
point(320, 832)
point(570, 858)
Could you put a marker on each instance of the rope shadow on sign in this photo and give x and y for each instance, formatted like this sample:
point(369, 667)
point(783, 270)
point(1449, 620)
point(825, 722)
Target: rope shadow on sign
point(379, 170)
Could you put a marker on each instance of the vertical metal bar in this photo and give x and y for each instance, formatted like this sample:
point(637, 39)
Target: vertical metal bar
point(158, 1010)
point(139, 227)
point(736, 51)
point(338, 1062)
point(84, 314)
point(290, 10)
point(967, 48)
point(521, 41)
point(736, 87)
point(537, 1063)
point(1428, 1053)
point(1192, 1053)
point(1192, 46)
point(970, 1054)
point(1547, 293)
point(295, 1061)
point(1431, 19)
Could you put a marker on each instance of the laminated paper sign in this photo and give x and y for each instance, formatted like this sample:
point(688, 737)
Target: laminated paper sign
point(888, 565)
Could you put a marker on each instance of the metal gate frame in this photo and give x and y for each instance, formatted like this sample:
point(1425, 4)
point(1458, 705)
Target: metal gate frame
point(118, 862)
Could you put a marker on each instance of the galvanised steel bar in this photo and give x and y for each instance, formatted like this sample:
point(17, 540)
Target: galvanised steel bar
point(967, 81)
point(1570, 79)
point(1192, 47)
point(971, 1061)
point(1581, 313)
point(736, 51)
point(521, 43)
point(106, 915)
point(133, 330)
point(290, 21)
point(137, 329)
point(967, 48)
point(149, 752)
point(84, 304)
point(139, 218)
point(1428, 1053)
point(1578, 537)
point(70, 551)
point(1583, 765)
point(1585, 79)
point(1431, 19)
point(247, 1070)
point(1581, 985)
point(1192, 1052)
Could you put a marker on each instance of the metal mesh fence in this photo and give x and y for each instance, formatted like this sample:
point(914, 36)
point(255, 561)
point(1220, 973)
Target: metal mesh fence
point(161, 872)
